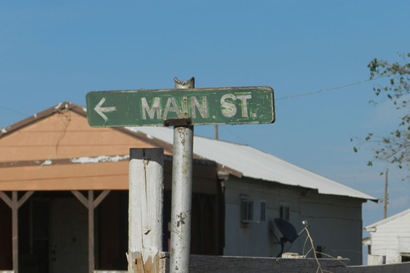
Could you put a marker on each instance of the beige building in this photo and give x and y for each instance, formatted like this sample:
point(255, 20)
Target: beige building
point(64, 192)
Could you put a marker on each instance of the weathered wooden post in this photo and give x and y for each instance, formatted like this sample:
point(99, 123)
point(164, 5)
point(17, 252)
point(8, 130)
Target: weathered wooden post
point(145, 211)
point(15, 203)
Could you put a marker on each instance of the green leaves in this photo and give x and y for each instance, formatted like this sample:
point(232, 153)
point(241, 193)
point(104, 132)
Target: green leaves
point(370, 163)
point(395, 146)
point(368, 137)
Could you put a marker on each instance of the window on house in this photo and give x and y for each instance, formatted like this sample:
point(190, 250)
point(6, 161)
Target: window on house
point(246, 210)
point(259, 208)
point(284, 212)
point(252, 210)
point(263, 211)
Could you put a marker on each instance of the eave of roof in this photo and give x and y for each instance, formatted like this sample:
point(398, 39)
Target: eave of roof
point(84, 160)
point(39, 116)
point(388, 219)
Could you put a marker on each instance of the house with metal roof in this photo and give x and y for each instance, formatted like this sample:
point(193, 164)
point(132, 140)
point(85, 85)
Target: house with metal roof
point(64, 197)
point(389, 240)
point(259, 187)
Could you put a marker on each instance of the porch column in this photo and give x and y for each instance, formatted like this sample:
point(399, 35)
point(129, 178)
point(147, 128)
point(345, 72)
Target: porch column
point(90, 204)
point(14, 203)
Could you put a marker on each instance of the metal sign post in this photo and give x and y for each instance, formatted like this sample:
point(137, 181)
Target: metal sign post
point(181, 192)
point(182, 108)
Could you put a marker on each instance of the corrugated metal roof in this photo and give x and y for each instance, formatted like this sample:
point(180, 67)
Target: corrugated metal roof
point(256, 164)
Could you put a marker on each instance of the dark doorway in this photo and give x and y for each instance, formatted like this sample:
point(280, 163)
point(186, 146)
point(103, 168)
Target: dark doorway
point(405, 257)
point(53, 234)
point(33, 235)
point(5, 237)
point(111, 229)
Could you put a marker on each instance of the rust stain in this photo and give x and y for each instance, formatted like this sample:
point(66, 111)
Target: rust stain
point(181, 219)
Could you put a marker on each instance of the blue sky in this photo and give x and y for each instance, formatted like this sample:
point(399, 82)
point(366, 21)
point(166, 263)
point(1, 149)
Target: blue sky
point(53, 51)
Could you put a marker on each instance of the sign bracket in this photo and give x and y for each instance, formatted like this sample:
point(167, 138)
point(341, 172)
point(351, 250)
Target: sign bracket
point(178, 122)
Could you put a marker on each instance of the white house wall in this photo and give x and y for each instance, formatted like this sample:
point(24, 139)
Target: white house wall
point(392, 238)
point(335, 222)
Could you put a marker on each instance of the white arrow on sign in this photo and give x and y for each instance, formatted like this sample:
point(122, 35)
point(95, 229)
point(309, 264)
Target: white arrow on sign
point(101, 110)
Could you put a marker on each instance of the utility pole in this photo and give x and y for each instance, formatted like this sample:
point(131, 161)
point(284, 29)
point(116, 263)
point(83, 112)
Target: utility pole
point(386, 194)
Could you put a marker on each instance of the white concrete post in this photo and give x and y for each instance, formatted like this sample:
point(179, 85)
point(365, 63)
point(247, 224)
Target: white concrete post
point(145, 211)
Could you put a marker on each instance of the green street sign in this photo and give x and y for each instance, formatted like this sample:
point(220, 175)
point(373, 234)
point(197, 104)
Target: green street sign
point(230, 105)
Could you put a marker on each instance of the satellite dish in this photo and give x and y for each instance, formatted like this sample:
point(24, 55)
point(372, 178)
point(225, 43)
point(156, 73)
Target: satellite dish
point(288, 231)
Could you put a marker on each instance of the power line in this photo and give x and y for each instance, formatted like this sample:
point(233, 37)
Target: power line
point(281, 98)
point(326, 89)
point(12, 110)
